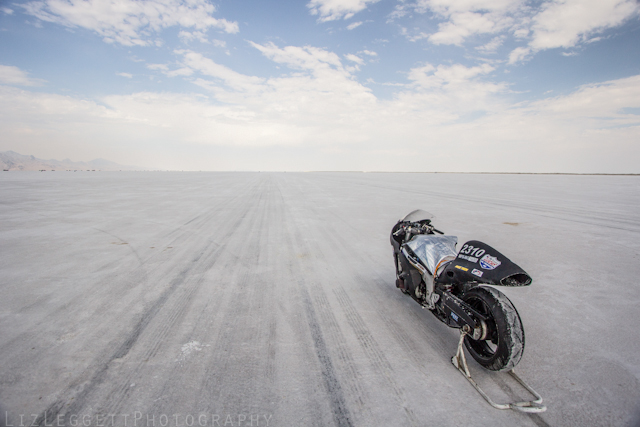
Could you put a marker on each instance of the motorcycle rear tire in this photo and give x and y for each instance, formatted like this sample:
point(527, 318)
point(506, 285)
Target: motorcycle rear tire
point(503, 348)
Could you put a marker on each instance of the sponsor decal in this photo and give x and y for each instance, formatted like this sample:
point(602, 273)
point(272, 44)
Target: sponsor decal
point(489, 262)
point(454, 316)
point(459, 267)
point(468, 249)
point(468, 258)
point(477, 272)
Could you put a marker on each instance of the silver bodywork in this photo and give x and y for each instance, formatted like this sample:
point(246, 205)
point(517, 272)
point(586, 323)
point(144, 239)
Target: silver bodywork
point(432, 249)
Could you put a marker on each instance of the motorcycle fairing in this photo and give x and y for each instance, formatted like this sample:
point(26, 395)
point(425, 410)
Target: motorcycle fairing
point(410, 276)
point(479, 262)
point(417, 215)
point(431, 249)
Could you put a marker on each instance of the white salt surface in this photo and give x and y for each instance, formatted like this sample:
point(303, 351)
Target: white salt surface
point(269, 298)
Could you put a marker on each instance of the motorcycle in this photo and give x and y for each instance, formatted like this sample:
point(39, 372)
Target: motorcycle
point(456, 286)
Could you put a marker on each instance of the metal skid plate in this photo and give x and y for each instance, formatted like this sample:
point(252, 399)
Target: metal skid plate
point(532, 406)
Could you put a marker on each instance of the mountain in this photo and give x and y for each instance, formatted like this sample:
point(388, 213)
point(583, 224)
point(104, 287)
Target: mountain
point(12, 161)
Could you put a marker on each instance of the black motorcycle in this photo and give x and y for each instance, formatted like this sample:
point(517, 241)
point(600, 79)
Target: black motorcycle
point(453, 286)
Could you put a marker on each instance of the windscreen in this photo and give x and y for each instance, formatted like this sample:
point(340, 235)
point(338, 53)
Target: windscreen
point(418, 215)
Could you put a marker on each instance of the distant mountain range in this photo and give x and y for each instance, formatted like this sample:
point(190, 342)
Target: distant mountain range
point(12, 161)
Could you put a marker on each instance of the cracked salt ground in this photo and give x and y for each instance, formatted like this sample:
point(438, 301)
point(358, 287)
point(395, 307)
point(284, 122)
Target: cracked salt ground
point(277, 300)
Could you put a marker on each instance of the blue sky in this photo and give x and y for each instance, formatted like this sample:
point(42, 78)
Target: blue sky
point(413, 85)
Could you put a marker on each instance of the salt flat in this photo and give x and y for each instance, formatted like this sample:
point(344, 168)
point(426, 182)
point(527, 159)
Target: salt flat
point(169, 298)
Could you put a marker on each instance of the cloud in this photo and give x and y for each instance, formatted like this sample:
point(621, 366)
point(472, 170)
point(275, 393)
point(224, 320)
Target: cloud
point(129, 22)
point(492, 46)
point(161, 67)
point(7, 11)
point(429, 76)
point(445, 94)
point(426, 124)
point(445, 117)
point(568, 22)
point(463, 25)
point(519, 54)
point(187, 36)
point(127, 75)
point(542, 25)
point(601, 102)
point(11, 75)
point(41, 110)
point(237, 81)
point(462, 19)
point(184, 71)
point(305, 58)
point(331, 10)
point(354, 25)
point(316, 102)
point(354, 58)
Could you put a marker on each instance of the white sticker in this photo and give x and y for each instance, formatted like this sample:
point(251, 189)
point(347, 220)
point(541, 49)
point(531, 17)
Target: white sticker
point(468, 258)
point(477, 272)
point(489, 262)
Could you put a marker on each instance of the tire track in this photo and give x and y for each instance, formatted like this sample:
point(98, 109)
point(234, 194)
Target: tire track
point(336, 240)
point(341, 349)
point(242, 325)
point(117, 284)
point(333, 387)
point(73, 399)
point(373, 351)
point(191, 281)
point(180, 306)
point(333, 249)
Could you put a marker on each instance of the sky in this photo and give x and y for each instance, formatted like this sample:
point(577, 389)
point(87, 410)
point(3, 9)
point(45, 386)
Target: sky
point(345, 85)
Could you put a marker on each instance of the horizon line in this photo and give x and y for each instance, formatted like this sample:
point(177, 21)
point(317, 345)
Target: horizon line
point(334, 171)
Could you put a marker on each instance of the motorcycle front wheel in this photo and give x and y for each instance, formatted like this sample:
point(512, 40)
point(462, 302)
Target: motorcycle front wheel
point(503, 345)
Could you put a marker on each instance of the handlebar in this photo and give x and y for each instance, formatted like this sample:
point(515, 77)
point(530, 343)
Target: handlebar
point(416, 225)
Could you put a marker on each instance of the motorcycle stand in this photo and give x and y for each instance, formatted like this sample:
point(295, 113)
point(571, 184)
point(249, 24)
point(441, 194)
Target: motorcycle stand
point(533, 406)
